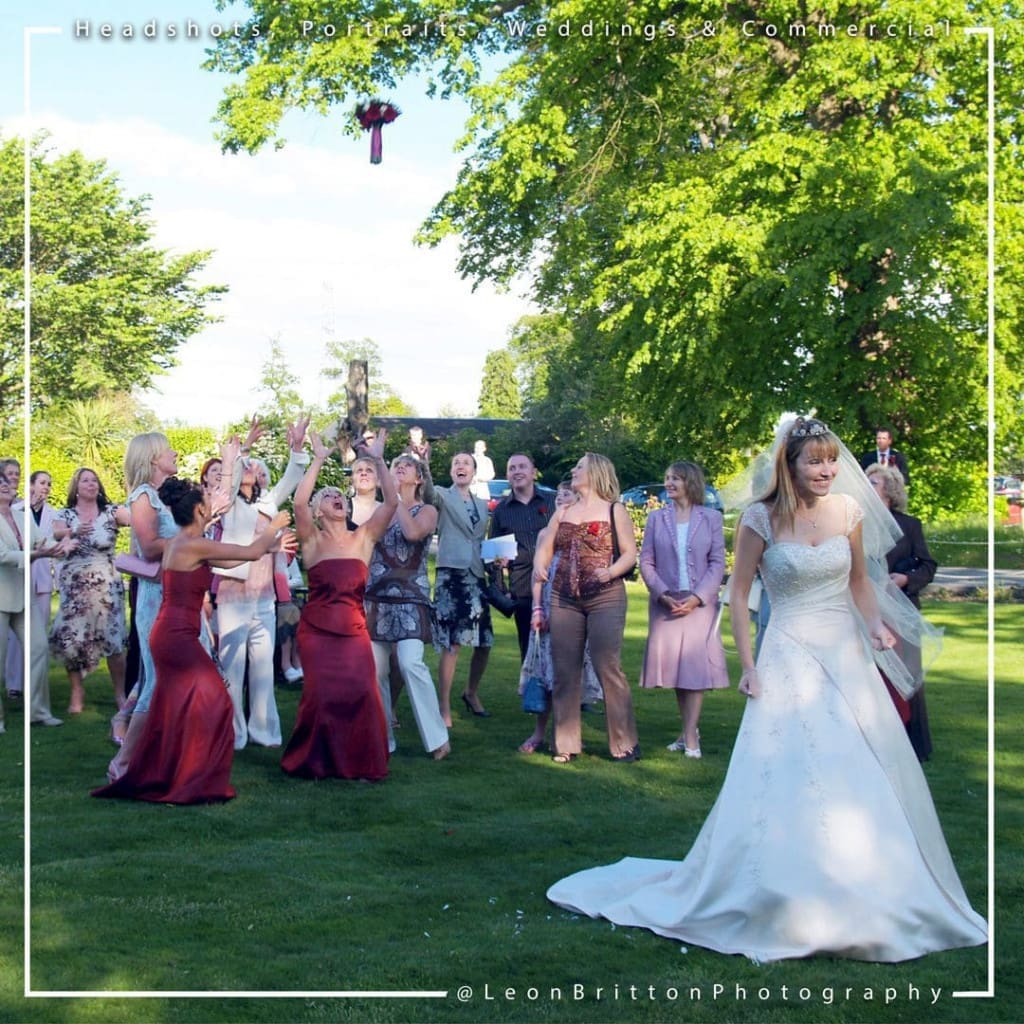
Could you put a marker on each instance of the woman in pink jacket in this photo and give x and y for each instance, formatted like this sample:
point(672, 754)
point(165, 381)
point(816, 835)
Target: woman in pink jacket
point(682, 561)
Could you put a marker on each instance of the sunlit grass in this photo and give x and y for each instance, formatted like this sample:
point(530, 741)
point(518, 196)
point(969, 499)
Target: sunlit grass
point(436, 877)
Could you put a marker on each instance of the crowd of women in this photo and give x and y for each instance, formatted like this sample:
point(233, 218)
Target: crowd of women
point(821, 749)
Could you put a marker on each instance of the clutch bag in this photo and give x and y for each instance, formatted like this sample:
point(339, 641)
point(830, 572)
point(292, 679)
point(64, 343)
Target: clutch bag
point(132, 565)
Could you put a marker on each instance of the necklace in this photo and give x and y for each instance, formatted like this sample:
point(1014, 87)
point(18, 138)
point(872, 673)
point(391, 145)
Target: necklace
point(813, 523)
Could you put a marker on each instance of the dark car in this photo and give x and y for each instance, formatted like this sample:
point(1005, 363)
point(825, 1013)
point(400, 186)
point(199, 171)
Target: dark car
point(641, 494)
point(499, 489)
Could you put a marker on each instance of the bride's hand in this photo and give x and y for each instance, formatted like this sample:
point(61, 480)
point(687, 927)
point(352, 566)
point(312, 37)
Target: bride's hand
point(750, 685)
point(882, 639)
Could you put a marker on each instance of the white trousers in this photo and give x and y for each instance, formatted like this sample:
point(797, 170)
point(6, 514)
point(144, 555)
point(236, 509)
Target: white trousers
point(418, 685)
point(15, 665)
point(247, 630)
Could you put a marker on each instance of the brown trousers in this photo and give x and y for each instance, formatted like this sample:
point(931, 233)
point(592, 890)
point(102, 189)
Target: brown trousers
point(601, 621)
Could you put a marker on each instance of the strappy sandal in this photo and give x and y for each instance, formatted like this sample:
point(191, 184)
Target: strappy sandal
point(564, 758)
point(530, 746)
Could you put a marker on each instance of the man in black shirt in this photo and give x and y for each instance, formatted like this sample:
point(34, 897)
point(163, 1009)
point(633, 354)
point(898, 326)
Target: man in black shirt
point(524, 513)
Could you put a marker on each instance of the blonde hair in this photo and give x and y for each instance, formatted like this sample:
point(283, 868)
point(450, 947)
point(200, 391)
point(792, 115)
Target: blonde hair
point(143, 450)
point(317, 500)
point(603, 479)
point(781, 494)
point(892, 478)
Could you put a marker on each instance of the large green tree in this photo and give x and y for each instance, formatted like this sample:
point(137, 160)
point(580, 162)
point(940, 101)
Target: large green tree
point(109, 309)
point(739, 209)
point(499, 392)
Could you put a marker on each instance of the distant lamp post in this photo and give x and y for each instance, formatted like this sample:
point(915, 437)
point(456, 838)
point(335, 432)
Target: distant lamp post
point(372, 116)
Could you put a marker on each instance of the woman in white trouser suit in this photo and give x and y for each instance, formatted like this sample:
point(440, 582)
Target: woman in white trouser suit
point(246, 613)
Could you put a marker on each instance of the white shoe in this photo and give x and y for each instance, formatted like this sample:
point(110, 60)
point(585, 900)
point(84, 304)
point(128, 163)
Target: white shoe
point(679, 745)
point(49, 720)
point(292, 675)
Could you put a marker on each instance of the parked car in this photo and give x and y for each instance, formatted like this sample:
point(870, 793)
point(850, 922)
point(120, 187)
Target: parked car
point(1007, 487)
point(499, 489)
point(641, 494)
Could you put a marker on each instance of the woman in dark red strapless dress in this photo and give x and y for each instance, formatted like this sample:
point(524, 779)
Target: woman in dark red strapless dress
point(340, 729)
point(186, 747)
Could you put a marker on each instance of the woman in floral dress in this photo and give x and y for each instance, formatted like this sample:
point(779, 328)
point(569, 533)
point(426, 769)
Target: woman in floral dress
point(90, 624)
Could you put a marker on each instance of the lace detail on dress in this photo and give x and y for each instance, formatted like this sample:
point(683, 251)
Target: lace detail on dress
point(758, 519)
point(854, 513)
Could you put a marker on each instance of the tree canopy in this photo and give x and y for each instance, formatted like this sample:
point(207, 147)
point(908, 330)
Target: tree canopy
point(734, 210)
point(109, 309)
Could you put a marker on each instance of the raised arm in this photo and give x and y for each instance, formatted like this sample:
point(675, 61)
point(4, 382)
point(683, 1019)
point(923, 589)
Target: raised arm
point(416, 527)
point(304, 525)
point(384, 512)
point(431, 496)
point(186, 553)
point(297, 460)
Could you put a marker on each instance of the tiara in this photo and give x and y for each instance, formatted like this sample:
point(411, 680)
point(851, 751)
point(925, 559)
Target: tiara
point(808, 428)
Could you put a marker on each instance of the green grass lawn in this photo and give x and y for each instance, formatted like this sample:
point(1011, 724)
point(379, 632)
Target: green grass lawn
point(435, 878)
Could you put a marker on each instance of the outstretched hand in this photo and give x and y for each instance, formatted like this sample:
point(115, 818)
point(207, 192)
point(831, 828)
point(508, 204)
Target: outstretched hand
point(297, 432)
point(230, 449)
point(316, 442)
point(287, 543)
point(255, 433)
point(375, 448)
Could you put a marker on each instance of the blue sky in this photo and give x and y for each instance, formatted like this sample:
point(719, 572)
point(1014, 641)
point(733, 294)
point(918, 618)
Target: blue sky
point(312, 240)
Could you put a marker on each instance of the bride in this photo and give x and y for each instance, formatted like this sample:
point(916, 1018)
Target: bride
point(824, 838)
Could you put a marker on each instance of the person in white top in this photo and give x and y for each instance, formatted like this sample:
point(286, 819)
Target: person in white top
point(484, 471)
point(246, 612)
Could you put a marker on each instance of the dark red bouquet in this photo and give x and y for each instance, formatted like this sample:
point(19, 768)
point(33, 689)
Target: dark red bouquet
point(372, 116)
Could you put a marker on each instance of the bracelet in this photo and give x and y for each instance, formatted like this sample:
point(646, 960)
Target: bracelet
point(539, 608)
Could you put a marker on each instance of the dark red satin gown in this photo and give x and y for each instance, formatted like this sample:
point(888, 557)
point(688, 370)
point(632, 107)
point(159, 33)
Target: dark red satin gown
point(340, 729)
point(187, 744)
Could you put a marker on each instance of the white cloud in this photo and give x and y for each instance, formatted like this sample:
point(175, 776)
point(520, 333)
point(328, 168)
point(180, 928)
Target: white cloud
point(308, 240)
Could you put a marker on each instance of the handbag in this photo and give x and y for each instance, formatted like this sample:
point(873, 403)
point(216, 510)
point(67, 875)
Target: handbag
point(535, 694)
point(132, 565)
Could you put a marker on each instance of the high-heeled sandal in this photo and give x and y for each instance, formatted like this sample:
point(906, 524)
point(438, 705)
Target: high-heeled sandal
point(480, 713)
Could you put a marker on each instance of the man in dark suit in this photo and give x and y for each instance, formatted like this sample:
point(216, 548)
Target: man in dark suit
point(885, 455)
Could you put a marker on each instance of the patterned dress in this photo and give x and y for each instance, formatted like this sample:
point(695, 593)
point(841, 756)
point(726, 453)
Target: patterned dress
point(90, 624)
point(398, 594)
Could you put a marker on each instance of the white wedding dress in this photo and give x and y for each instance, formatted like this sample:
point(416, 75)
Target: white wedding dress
point(824, 838)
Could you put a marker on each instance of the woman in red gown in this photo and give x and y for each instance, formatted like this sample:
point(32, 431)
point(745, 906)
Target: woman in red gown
point(340, 729)
point(185, 751)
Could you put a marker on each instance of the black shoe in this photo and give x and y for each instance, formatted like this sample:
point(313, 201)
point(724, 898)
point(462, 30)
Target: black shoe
point(629, 755)
point(479, 714)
